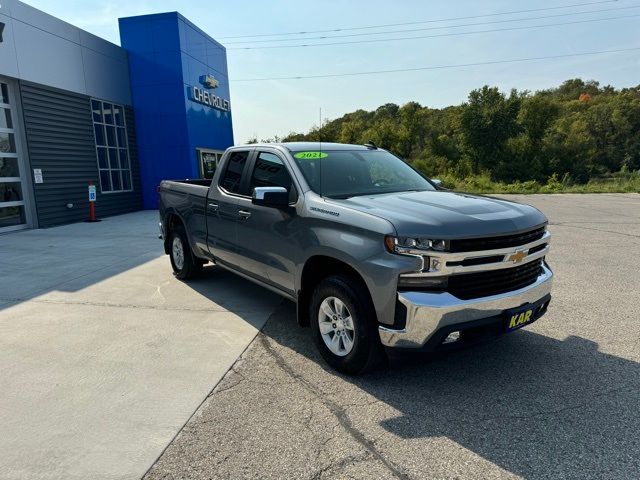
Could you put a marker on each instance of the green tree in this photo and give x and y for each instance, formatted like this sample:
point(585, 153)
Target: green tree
point(487, 121)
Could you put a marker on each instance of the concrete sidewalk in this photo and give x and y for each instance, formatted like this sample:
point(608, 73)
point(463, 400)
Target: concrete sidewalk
point(103, 354)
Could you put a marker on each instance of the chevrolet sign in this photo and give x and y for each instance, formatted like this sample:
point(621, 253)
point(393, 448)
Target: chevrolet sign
point(204, 97)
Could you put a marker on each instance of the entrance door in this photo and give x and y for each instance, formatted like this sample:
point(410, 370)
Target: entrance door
point(13, 214)
point(208, 160)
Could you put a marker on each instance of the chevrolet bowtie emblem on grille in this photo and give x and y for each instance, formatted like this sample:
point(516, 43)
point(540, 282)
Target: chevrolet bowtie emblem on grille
point(517, 257)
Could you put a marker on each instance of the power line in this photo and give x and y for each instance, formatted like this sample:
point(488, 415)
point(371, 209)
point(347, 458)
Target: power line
point(454, 34)
point(439, 67)
point(512, 12)
point(434, 28)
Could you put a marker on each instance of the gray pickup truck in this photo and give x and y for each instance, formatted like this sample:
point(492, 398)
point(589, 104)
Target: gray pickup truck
point(373, 253)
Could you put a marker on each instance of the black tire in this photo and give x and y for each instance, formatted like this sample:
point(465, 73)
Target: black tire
point(190, 266)
point(367, 352)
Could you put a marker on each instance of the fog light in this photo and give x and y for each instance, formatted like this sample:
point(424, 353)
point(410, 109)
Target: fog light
point(452, 337)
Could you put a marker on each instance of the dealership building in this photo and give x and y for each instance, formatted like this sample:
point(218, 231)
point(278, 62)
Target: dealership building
point(77, 110)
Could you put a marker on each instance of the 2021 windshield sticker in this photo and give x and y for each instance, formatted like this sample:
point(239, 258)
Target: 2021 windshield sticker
point(310, 155)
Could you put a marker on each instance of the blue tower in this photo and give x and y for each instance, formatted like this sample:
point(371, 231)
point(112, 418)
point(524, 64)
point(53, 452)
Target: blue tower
point(180, 95)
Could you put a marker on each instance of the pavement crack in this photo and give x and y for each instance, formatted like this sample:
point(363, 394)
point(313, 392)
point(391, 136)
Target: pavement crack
point(337, 411)
point(338, 467)
point(559, 410)
point(225, 388)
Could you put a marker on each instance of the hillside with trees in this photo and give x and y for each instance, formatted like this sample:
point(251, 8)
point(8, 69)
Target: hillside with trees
point(577, 137)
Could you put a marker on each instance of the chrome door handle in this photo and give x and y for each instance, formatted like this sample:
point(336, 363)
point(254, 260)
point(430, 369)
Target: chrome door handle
point(244, 214)
point(213, 207)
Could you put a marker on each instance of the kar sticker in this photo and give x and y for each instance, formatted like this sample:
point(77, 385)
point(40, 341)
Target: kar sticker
point(310, 155)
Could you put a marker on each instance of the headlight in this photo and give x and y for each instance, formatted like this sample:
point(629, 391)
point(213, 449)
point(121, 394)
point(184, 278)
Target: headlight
point(409, 245)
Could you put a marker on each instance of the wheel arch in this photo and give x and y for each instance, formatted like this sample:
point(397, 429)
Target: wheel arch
point(316, 268)
point(170, 221)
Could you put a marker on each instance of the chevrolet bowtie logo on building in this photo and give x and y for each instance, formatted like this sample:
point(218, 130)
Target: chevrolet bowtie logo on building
point(517, 257)
point(203, 96)
point(209, 81)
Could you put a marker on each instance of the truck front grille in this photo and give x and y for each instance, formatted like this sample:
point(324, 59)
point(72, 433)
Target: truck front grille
point(491, 243)
point(483, 284)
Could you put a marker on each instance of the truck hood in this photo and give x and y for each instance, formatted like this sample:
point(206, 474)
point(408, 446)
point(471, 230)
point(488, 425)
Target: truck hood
point(440, 214)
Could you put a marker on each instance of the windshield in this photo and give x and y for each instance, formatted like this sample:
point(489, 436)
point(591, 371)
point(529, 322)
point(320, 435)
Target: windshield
point(348, 173)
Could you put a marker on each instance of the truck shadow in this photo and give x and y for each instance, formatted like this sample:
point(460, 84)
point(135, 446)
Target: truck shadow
point(536, 406)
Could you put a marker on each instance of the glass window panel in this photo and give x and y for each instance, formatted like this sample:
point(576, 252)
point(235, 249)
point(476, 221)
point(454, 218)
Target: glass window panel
point(9, 167)
point(269, 171)
point(118, 115)
point(7, 143)
point(126, 180)
point(105, 180)
point(4, 93)
point(103, 161)
point(5, 118)
point(230, 181)
point(111, 135)
point(10, 216)
point(122, 137)
point(124, 158)
point(115, 180)
point(111, 146)
point(10, 192)
point(96, 109)
point(99, 130)
point(113, 158)
point(107, 108)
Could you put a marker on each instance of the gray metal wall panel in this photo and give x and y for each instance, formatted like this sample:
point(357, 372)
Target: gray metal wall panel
point(42, 49)
point(59, 134)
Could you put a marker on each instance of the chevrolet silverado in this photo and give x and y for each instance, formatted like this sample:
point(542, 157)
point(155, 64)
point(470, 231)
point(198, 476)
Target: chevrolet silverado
point(373, 253)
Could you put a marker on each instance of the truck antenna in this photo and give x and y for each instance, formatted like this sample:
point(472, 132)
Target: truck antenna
point(320, 130)
point(320, 150)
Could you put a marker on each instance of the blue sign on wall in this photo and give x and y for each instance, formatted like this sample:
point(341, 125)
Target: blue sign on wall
point(180, 93)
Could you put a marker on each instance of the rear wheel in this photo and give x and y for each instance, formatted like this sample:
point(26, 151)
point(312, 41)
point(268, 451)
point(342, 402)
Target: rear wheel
point(343, 325)
point(184, 264)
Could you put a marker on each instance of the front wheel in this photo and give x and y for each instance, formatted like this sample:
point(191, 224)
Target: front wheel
point(343, 325)
point(184, 265)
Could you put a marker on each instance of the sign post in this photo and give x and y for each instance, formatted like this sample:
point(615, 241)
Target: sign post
point(92, 203)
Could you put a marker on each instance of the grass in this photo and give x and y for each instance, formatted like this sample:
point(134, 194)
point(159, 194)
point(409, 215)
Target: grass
point(623, 182)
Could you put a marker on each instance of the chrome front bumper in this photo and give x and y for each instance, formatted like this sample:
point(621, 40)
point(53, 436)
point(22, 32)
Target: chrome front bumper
point(429, 312)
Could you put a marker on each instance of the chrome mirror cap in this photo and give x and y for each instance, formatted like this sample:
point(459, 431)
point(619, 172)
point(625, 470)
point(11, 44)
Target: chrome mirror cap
point(259, 193)
point(270, 196)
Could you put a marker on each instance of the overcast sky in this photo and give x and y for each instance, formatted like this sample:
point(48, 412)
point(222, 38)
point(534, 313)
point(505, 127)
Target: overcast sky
point(277, 107)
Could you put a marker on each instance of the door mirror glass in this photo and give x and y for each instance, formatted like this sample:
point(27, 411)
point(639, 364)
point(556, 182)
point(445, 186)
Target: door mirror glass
point(270, 196)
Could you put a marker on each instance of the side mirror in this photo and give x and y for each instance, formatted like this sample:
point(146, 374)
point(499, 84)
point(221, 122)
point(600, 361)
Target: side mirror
point(437, 183)
point(270, 196)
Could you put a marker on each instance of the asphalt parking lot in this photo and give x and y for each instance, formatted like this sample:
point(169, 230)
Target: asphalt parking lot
point(110, 368)
point(559, 399)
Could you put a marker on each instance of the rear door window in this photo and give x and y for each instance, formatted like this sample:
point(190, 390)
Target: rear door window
point(232, 177)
